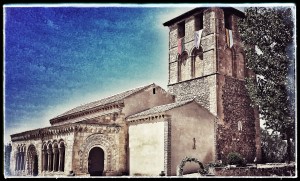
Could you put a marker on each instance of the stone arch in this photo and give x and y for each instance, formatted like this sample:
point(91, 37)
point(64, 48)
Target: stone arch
point(183, 68)
point(44, 157)
point(228, 61)
point(190, 52)
point(202, 171)
point(50, 157)
point(197, 65)
point(109, 147)
point(55, 156)
point(32, 160)
point(23, 156)
point(18, 158)
point(61, 155)
point(240, 59)
point(99, 161)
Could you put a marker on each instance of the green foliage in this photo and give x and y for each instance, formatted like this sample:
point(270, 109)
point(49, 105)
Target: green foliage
point(234, 158)
point(217, 164)
point(267, 34)
point(201, 170)
point(274, 148)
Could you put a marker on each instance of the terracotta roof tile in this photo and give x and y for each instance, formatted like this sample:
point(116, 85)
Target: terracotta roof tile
point(108, 100)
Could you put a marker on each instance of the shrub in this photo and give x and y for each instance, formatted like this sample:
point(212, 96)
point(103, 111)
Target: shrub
point(234, 158)
point(274, 148)
point(216, 164)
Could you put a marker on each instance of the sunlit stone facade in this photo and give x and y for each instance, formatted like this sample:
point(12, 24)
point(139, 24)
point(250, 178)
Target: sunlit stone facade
point(205, 113)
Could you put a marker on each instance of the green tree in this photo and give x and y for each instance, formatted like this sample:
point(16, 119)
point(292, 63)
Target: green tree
point(274, 148)
point(267, 34)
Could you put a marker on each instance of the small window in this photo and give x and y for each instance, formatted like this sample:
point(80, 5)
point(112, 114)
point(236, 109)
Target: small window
point(198, 22)
point(240, 126)
point(181, 29)
point(153, 90)
point(194, 143)
point(228, 21)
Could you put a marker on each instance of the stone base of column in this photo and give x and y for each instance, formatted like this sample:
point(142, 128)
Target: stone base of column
point(111, 173)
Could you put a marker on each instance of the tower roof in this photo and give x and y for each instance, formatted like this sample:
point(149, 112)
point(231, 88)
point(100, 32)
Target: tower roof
point(200, 10)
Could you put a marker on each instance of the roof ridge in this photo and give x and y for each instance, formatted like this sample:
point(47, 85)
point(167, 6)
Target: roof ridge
point(106, 100)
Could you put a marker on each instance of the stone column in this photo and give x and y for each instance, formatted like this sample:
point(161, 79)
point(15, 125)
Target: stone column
point(19, 161)
point(55, 154)
point(24, 164)
point(61, 159)
point(43, 160)
point(22, 160)
point(50, 159)
point(17, 157)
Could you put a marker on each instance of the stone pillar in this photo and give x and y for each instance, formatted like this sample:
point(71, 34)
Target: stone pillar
point(50, 159)
point(22, 161)
point(25, 158)
point(61, 158)
point(17, 158)
point(43, 160)
point(19, 161)
point(55, 155)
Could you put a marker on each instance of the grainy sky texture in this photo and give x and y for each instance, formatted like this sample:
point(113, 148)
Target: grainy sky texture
point(57, 58)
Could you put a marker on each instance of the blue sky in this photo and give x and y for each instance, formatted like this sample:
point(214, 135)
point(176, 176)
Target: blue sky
point(57, 58)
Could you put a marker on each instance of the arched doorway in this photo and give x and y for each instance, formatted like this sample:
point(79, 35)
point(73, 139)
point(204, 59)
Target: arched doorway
point(96, 161)
point(32, 161)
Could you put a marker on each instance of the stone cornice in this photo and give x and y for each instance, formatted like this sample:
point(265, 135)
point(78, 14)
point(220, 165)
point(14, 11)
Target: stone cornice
point(189, 80)
point(106, 107)
point(64, 129)
point(147, 118)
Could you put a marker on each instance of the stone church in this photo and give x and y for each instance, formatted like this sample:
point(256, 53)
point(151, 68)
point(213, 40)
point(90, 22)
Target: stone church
point(205, 113)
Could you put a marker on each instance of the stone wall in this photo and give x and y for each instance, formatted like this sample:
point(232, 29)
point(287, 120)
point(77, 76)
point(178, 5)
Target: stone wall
point(202, 89)
point(192, 131)
point(148, 98)
point(236, 108)
point(106, 138)
point(221, 89)
point(241, 171)
point(146, 145)
point(207, 43)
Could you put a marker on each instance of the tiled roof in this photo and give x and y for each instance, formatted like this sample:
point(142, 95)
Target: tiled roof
point(160, 109)
point(108, 100)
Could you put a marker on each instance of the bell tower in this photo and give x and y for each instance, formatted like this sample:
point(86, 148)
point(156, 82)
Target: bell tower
point(207, 62)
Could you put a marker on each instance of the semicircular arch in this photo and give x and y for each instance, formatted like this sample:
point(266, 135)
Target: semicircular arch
point(106, 143)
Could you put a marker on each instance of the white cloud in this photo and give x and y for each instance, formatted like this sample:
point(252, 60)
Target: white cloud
point(52, 25)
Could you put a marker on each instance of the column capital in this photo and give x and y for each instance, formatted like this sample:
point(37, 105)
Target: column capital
point(49, 151)
point(62, 149)
point(55, 150)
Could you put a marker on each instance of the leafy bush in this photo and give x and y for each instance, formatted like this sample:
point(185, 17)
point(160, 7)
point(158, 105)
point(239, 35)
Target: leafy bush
point(234, 158)
point(217, 164)
point(274, 148)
